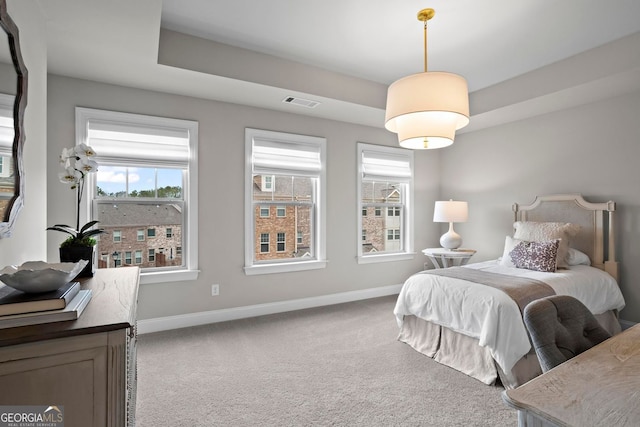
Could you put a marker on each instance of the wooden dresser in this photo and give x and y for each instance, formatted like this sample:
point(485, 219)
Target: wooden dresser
point(596, 388)
point(88, 365)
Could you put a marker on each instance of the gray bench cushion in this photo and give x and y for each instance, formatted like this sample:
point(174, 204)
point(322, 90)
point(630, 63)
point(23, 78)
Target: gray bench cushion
point(560, 328)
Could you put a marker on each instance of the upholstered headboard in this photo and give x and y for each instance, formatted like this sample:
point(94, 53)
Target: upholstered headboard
point(596, 235)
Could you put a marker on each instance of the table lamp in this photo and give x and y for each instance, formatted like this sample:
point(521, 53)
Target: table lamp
point(450, 211)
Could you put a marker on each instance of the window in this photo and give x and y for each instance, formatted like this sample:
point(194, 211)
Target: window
point(296, 167)
point(267, 183)
point(280, 242)
point(117, 235)
point(127, 257)
point(6, 146)
point(264, 242)
point(146, 184)
point(264, 212)
point(385, 181)
point(393, 234)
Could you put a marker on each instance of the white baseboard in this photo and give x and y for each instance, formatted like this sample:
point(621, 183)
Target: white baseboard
point(147, 326)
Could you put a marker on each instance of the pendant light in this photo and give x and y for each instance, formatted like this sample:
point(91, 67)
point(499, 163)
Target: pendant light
point(426, 109)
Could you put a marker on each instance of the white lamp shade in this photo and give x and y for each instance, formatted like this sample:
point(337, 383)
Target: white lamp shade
point(426, 109)
point(451, 211)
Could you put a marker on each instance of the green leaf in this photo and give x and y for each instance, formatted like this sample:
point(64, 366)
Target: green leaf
point(64, 229)
point(88, 225)
point(93, 232)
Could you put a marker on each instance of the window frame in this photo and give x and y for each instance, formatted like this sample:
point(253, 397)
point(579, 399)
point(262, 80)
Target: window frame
point(318, 212)
point(405, 208)
point(190, 270)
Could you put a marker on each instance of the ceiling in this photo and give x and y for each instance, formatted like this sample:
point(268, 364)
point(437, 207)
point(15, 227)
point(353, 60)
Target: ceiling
point(380, 41)
point(486, 41)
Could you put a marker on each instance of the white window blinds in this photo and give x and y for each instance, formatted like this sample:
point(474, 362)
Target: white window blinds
point(135, 144)
point(274, 156)
point(383, 165)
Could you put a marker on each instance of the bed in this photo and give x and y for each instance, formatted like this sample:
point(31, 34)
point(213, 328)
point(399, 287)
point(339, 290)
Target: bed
point(469, 318)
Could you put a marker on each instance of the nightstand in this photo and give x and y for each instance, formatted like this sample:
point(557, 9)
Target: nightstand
point(443, 258)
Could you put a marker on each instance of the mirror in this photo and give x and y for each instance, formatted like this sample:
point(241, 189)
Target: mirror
point(13, 101)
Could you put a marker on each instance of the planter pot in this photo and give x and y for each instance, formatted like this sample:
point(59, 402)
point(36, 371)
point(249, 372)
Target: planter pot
point(76, 253)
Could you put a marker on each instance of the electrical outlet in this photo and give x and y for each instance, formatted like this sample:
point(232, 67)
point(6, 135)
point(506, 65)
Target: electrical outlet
point(215, 290)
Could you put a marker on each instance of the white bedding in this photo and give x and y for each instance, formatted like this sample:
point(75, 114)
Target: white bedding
point(492, 317)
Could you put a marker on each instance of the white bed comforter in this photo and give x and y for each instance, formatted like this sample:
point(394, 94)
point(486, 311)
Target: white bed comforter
point(492, 317)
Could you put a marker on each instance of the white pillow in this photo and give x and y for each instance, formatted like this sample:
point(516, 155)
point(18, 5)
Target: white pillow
point(545, 231)
point(575, 257)
point(509, 244)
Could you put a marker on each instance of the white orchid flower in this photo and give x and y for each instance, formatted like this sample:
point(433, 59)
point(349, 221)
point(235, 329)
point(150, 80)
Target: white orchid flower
point(83, 150)
point(66, 156)
point(76, 163)
point(86, 166)
point(70, 176)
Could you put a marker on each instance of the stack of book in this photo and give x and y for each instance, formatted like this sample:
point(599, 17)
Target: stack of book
point(21, 309)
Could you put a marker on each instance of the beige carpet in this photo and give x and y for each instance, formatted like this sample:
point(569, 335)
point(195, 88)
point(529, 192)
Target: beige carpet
point(332, 366)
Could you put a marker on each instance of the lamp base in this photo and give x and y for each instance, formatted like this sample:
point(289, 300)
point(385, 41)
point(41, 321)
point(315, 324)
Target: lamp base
point(450, 240)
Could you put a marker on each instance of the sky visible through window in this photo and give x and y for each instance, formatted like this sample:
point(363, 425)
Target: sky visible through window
point(113, 179)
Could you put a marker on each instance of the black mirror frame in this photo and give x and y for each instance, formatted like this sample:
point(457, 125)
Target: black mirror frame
point(19, 106)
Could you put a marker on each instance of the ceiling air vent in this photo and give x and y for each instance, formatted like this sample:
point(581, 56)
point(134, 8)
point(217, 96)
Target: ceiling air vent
point(301, 102)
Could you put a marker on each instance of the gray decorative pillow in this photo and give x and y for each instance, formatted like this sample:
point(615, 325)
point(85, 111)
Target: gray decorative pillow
point(538, 256)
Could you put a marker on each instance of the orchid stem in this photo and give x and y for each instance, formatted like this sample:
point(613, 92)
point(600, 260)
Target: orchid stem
point(79, 189)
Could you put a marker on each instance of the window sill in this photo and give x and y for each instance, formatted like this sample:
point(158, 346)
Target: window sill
point(284, 267)
point(168, 276)
point(370, 259)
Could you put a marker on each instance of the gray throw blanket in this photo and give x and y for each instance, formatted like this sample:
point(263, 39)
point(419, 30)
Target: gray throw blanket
point(522, 290)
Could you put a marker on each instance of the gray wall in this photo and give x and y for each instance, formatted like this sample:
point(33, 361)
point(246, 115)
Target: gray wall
point(221, 201)
point(28, 240)
point(592, 149)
